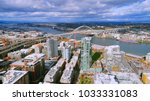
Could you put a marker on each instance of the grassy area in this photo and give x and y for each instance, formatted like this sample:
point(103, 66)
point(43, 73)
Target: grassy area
point(86, 80)
point(95, 56)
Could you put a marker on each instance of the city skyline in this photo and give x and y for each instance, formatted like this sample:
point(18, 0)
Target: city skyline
point(75, 10)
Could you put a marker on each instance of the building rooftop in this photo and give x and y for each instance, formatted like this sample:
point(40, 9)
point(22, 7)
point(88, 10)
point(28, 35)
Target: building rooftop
point(69, 67)
point(25, 51)
point(98, 46)
point(13, 76)
point(66, 77)
point(137, 64)
point(74, 61)
point(133, 55)
point(29, 60)
point(52, 74)
point(60, 62)
point(117, 78)
point(34, 56)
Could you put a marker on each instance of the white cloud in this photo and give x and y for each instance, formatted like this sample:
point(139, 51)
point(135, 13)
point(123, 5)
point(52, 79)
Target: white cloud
point(90, 9)
point(136, 8)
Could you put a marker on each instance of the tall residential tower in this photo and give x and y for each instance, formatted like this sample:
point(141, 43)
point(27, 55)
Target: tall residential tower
point(52, 48)
point(86, 53)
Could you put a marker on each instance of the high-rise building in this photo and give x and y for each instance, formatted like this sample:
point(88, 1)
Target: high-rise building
point(86, 53)
point(66, 52)
point(52, 48)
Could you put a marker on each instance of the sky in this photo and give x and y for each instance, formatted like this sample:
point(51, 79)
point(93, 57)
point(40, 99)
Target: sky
point(75, 10)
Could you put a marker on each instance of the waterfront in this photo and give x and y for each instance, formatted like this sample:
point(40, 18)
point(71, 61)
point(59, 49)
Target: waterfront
point(138, 49)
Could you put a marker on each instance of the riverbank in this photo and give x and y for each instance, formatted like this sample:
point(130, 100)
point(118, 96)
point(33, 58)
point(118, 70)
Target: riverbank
point(138, 49)
point(143, 41)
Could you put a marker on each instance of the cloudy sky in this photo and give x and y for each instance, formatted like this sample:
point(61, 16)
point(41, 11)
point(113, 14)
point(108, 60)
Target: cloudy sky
point(74, 10)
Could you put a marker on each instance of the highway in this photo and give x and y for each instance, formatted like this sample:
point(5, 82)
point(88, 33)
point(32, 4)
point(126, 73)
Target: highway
point(19, 45)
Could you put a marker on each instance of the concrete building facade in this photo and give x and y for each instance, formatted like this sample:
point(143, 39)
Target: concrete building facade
point(86, 53)
point(148, 57)
point(52, 48)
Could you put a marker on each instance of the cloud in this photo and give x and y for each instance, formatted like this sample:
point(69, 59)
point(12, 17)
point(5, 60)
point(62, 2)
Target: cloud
point(138, 7)
point(76, 10)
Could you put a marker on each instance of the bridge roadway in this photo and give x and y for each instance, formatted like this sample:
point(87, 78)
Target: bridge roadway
point(114, 30)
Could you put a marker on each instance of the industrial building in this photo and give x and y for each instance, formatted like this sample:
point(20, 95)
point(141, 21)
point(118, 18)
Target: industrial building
point(86, 53)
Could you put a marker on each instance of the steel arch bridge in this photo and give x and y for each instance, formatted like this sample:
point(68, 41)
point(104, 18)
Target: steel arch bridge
point(85, 28)
point(81, 27)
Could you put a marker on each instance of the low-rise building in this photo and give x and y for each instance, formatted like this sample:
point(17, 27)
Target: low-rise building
point(67, 76)
point(17, 55)
point(37, 48)
point(137, 66)
point(114, 60)
point(16, 77)
point(117, 78)
point(33, 63)
point(55, 72)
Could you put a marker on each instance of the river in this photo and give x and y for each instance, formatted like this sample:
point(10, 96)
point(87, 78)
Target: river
point(138, 49)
